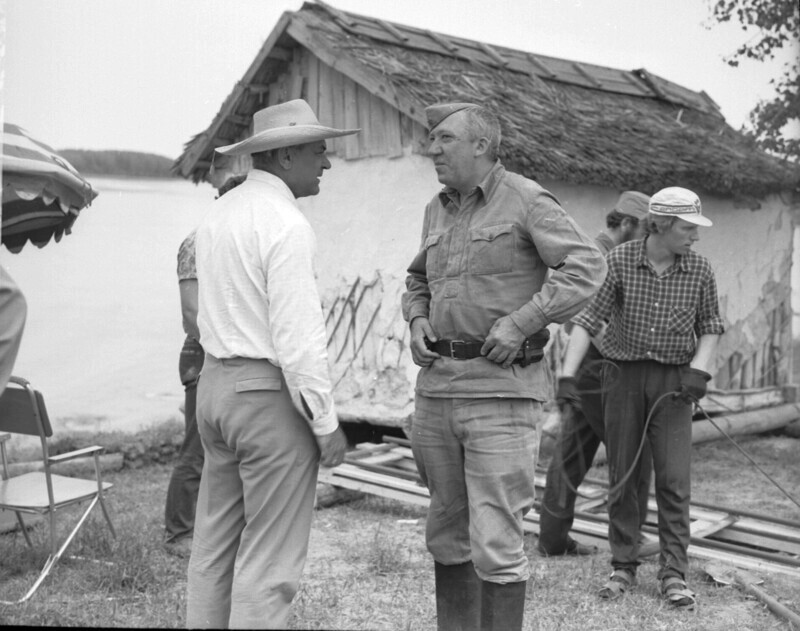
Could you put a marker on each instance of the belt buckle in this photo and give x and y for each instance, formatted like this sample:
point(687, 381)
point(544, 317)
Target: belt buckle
point(451, 344)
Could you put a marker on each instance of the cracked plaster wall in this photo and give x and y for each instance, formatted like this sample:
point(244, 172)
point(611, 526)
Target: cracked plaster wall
point(368, 218)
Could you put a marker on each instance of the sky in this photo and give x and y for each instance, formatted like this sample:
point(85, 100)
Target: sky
point(148, 75)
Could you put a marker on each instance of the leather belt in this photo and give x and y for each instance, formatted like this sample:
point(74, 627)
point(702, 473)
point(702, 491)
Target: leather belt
point(532, 349)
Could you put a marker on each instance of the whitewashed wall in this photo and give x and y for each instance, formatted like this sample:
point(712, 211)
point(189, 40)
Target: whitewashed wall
point(368, 218)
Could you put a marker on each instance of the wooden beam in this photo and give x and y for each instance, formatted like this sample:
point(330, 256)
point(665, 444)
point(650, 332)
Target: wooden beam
point(497, 57)
point(637, 83)
point(393, 31)
point(752, 422)
point(257, 88)
point(351, 142)
point(337, 15)
point(540, 65)
point(296, 87)
point(733, 401)
point(586, 75)
point(442, 41)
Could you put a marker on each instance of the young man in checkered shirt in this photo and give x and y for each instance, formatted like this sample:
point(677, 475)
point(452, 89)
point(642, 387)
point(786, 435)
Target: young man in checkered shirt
point(660, 301)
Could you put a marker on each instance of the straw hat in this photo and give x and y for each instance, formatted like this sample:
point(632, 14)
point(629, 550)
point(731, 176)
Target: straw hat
point(283, 125)
point(679, 202)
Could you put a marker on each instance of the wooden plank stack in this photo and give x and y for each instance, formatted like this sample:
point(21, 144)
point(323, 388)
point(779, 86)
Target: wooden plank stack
point(743, 539)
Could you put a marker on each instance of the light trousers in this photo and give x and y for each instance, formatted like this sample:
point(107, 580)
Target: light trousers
point(256, 498)
point(477, 458)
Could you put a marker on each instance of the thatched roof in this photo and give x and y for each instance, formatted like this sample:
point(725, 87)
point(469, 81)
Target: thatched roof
point(563, 120)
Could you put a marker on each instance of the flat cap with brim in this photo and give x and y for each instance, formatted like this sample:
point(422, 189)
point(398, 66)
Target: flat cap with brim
point(634, 204)
point(435, 114)
point(283, 125)
point(679, 202)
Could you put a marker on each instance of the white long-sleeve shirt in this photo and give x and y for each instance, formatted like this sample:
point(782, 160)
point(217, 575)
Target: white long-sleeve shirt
point(258, 296)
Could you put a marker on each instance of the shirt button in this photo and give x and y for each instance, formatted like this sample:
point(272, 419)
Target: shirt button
point(655, 304)
point(653, 330)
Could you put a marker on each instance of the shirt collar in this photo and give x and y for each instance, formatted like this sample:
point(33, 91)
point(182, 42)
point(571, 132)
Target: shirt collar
point(641, 258)
point(263, 177)
point(486, 187)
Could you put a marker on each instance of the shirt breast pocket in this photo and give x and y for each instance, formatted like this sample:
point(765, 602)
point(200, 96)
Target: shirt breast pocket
point(681, 320)
point(491, 249)
point(435, 262)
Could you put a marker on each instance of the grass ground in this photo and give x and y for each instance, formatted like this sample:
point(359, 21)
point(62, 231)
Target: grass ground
point(368, 567)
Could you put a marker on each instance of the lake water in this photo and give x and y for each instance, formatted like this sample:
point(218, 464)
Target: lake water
point(104, 332)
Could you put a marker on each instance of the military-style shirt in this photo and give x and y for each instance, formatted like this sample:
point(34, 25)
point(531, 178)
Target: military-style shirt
point(506, 249)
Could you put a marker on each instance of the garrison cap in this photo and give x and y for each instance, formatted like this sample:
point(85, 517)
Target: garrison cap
point(634, 204)
point(437, 113)
point(679, 202)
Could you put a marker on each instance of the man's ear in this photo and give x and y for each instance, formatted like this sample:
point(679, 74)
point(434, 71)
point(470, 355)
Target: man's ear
point(285, 158)
point(482, 146)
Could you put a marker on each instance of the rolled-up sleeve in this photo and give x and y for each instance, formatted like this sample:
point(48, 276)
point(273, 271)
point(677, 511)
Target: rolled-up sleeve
point(709, 321)
point(577, 267)
point(594, 315)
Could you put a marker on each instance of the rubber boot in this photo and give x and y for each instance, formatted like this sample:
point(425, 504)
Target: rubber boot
point(502, 606)
point(458, 597)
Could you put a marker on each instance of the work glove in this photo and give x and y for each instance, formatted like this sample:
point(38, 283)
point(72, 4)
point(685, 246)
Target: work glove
point(694, 384)
point(567, 394)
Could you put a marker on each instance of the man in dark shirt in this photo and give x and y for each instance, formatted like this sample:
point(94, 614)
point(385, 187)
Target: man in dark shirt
point(659, 299)
point(579, 400)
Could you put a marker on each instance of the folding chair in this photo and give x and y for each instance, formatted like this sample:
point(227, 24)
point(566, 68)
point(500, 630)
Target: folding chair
point(22, 411)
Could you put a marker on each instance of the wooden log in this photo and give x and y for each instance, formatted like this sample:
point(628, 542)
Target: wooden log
point(751, 422)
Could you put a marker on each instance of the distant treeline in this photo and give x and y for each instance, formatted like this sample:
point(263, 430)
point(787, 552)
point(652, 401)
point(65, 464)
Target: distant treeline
point(118, 163)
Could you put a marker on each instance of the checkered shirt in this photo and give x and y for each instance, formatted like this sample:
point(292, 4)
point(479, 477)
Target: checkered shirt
point(653, 316)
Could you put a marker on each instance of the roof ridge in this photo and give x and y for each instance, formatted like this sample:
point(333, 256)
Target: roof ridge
point(637, 82)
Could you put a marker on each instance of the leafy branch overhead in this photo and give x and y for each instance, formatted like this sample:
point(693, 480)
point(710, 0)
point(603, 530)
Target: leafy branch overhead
point(778, 25)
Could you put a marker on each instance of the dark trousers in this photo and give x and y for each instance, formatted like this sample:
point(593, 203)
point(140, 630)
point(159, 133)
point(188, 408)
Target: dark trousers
point(184, 483)
point(581, 433)
point(632, 390)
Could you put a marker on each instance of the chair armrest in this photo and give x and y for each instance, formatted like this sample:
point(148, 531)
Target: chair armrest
point(4, 437)
point(78, 453)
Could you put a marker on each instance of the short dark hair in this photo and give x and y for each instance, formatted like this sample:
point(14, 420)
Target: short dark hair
point(615, 218)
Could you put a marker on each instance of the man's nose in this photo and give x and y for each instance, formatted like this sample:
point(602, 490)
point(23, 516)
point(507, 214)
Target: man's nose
point(434, 148)
point(326, 164)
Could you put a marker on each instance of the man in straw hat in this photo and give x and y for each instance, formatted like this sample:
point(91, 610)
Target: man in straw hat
point(265, 404)
point(500, 260)
point(660, 301)
point(580, 403)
